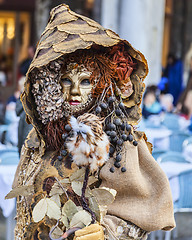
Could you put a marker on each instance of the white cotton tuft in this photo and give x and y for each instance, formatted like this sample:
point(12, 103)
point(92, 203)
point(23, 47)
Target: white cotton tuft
point(80, 127)
point(85, 146)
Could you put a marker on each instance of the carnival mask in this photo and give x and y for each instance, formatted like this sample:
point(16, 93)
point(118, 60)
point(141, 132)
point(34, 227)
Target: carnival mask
point(76, 86)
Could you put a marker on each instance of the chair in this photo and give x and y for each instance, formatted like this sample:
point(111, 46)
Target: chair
point(171, 156)
point(8, 149)
point(176, 140)
point(150, 123)
point(9, 158)
point(3, 131)
point(184, 203)
point(157, 153)
point(187, 149)
point(187, 141)
point(171, 121)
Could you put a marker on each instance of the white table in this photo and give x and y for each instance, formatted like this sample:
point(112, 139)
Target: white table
point(7, 173)
point(172, 170)
point(159, 137)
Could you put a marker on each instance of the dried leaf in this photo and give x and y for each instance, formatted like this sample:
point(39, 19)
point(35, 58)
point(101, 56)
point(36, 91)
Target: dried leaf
point(80, 219)
point(103, 196)
point(99, 37)
point(40, 210)
point(57, 233)
point(65, 181)
point(79, 174)
point(71, 45)
point(53, 210)
point(20, 191)
point(56, 199)
point(77, 188)
point(79, 208)
point(94, 206)
point(69, 209)
point(66, 17)
point(76, 27)
point(57, 189)
point(52, 39)
point(92, 180)
point(103, 212)
point(64, 220)
point(111, 190)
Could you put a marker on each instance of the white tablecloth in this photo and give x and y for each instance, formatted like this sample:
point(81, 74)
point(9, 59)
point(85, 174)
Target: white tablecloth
point(7, 173)
point(172, 170)
point(159, 137)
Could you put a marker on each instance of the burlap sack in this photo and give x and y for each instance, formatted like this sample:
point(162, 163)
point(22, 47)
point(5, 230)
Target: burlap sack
point(143, 192)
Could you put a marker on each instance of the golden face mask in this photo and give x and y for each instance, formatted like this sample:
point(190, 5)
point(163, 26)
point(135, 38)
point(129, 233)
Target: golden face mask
point(76, 86)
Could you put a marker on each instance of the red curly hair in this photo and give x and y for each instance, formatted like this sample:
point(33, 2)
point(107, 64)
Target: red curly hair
point(106, 64)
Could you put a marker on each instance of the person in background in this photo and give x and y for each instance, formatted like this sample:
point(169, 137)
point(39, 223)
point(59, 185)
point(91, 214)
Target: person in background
point(23, 127)
point(3, 76)
point(12, 121)
point(174, 73)
point(183, 105)
point(14, 97)
point(188, 105)
point(11, 118)
point(26, 63)
point(2, 112)
point(151, 105)
point(166, 101)
point(163, 83)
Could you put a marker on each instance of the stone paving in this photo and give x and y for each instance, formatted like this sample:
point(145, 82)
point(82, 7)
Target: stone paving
point(183, 230)
point(2, 227)
point(184, 226)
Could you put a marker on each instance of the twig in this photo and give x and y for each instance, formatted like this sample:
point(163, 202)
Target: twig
point(62, 188)
point(83, 199)
point(65, 234)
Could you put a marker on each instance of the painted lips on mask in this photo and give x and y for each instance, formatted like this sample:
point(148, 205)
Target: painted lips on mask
point(74, 102)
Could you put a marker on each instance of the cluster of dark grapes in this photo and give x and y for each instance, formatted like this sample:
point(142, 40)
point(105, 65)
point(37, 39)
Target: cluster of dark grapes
point(117, 129)
point(64, 152)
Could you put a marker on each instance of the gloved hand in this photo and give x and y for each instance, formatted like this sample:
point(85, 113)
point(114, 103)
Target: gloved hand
point(92, 232)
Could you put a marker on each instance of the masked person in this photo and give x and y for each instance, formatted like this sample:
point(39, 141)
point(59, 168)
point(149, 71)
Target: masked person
point(85, 171)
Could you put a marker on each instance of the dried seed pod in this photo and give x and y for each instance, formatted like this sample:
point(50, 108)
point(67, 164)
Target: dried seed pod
point(98, 110)
point(117, 122)
point(117, 164)
point(124, 137)
point(123, 169)
point(118, 112)
point(118, 157)
point(113, 134)
point(103, 106)
point(111, 99)
point(130, 137)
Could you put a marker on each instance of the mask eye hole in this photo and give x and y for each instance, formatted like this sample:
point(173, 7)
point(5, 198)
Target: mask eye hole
point(85, 82)
point(66, 81)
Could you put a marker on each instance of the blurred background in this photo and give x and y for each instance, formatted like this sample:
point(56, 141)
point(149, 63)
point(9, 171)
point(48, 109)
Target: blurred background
point(156, 28)
point(162, 31)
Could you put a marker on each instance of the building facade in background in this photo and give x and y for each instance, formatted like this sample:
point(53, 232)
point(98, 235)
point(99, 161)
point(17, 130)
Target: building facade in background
point(155, 27)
